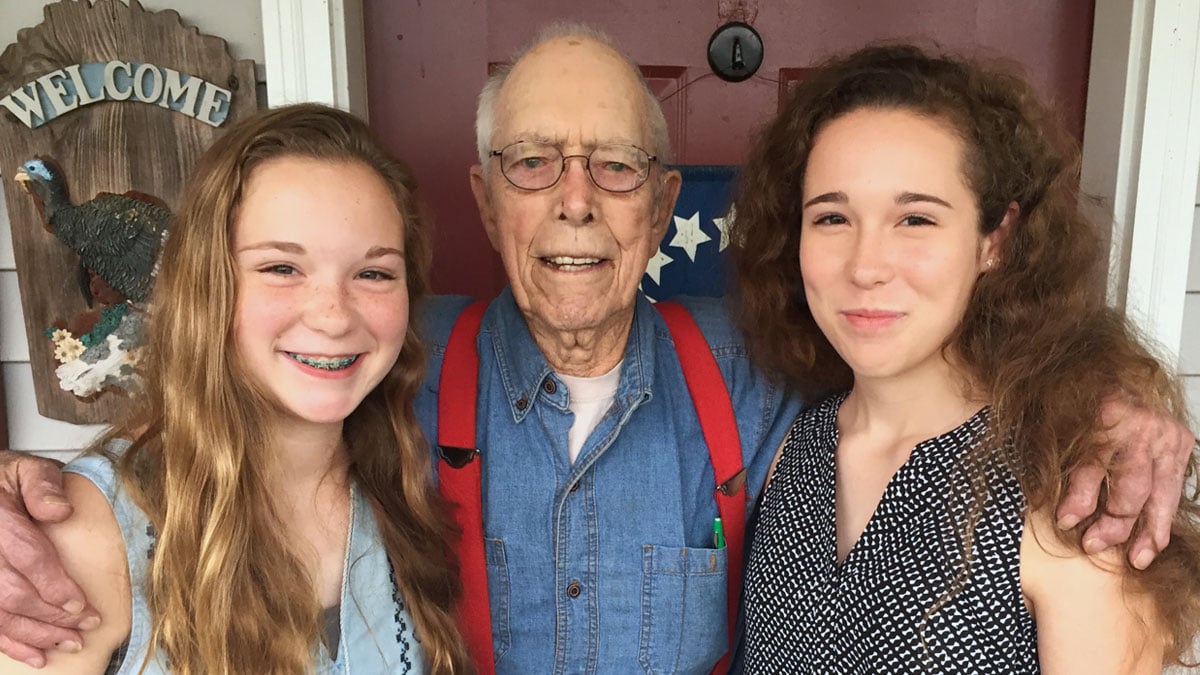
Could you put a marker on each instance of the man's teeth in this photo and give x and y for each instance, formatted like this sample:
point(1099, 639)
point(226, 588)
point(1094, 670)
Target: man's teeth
point(571, 264)
point(340, 363)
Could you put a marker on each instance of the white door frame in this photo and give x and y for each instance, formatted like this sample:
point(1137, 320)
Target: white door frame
point(314, 53)
point(1141, 155)
point(1141, 149)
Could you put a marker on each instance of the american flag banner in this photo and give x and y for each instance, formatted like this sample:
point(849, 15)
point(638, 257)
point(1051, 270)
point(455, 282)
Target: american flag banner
point(692, 258)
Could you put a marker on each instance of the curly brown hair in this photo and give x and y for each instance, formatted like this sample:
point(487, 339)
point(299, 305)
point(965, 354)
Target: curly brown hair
point(1036, 338)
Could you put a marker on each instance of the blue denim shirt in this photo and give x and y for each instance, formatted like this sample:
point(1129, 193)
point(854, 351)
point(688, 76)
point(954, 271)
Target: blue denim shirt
point(605, 565)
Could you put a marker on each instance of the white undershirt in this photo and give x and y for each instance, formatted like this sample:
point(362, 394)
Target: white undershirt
point(591, 398)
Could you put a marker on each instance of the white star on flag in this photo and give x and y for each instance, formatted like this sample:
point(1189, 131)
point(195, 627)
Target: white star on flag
point(723, 225)
point(688, 234)
point(654, 267)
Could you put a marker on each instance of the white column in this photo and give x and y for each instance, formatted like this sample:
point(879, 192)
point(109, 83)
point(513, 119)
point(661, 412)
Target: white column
point(1162, 233)
point(314, 52)
point(1113, 124)
point(1145, 159)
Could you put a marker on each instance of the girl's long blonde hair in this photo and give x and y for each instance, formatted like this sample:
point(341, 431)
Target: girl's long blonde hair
point(226, 591)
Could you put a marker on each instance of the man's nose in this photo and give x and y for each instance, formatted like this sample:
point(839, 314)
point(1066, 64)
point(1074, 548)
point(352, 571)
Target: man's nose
point(578, 191)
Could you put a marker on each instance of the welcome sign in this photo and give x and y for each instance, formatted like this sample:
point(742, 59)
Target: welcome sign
point(109, 102)
point(61, 91)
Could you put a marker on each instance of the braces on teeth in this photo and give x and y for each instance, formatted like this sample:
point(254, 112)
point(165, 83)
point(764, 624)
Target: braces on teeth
point(325, 364)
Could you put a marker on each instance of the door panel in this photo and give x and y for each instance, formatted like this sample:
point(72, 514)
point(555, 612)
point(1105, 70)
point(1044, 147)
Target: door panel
point(427, 59)
point(669, 85)
point(3, 417)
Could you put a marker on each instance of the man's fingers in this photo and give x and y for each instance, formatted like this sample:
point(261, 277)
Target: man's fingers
point(1150, 541)
point(32, 485)
point(1178, 445)
point(1145, 481)
point(1130, 478)
point(64, 602)
point(1115, 411)
point(34, 658)
point(1166, 490)
point(1083, 492)
point(33, 582)
point(19, 598)
point(37, 635)
point(1109, 530)
point(41, 487)
point(71, 615)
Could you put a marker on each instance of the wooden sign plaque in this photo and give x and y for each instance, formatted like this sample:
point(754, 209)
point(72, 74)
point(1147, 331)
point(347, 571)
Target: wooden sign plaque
point(123, 100)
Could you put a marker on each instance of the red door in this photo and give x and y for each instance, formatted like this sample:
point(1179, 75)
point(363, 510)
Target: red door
point(427, 59)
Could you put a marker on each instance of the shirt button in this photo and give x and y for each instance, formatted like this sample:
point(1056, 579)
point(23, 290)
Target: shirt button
point(574, 589)
point(549, 387)
point(522, 404)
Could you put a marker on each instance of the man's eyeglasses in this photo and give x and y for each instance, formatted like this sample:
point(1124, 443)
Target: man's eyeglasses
point(614, 167)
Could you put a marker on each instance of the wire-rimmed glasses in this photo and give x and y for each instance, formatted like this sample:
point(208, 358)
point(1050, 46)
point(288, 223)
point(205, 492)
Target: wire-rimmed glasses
point(615, 167)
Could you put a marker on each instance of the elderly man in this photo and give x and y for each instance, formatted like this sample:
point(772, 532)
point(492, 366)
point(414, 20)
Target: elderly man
point(597, 488)
point(599, 505)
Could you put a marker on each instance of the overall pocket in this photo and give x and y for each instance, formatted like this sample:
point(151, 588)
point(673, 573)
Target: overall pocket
point(497, 567)
point(683, 609)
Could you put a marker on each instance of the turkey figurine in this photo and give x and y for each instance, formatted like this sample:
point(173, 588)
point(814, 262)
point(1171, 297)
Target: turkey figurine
point(117, 237)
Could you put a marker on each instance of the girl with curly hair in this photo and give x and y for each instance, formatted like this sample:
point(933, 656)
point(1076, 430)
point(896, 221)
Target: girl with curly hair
point(909, 236)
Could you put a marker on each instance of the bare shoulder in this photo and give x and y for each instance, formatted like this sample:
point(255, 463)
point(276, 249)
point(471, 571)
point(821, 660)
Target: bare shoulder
point(1090, 619)
point(92, 550)
point(91, 533)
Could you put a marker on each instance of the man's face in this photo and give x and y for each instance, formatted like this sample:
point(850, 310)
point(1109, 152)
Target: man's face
point(574, 253)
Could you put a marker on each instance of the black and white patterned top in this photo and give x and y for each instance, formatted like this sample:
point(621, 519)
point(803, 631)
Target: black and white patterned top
point(901, 601)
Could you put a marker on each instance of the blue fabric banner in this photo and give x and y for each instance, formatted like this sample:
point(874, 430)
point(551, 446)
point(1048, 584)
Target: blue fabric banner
point(692, 259)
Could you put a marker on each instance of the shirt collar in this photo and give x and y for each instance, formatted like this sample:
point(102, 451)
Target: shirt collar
point(523, 368)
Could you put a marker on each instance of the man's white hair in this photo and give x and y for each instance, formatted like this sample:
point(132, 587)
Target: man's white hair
point(485, 113)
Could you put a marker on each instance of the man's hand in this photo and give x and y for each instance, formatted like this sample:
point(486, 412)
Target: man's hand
point(40, 607)
point(1145, 472)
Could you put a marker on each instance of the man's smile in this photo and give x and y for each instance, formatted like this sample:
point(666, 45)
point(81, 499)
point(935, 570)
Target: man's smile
point(564, 263)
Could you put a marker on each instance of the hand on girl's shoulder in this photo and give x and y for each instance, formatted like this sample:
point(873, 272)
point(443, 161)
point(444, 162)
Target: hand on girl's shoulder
point(1090, 617)
point(93, 553)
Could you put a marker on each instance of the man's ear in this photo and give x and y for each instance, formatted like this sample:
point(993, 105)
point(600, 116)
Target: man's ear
point(483, 201)
point(668, 193)
point(993, 242)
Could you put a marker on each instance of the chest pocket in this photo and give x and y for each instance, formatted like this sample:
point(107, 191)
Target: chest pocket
point(683, 626)
point(498, 592)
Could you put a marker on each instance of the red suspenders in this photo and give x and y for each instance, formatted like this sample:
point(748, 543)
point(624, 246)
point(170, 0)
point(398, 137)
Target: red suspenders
point(710, 397)
point(458, 478)
point(459, 467)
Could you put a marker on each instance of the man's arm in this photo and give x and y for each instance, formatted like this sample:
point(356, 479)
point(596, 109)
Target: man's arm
point(1145, 473)
point(40, 606)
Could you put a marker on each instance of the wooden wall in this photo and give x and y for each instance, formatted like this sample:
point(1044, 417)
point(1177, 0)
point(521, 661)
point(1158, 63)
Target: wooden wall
point(240, 23)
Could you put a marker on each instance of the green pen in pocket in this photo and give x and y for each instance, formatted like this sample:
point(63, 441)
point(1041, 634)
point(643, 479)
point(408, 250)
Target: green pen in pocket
point(718, 534)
